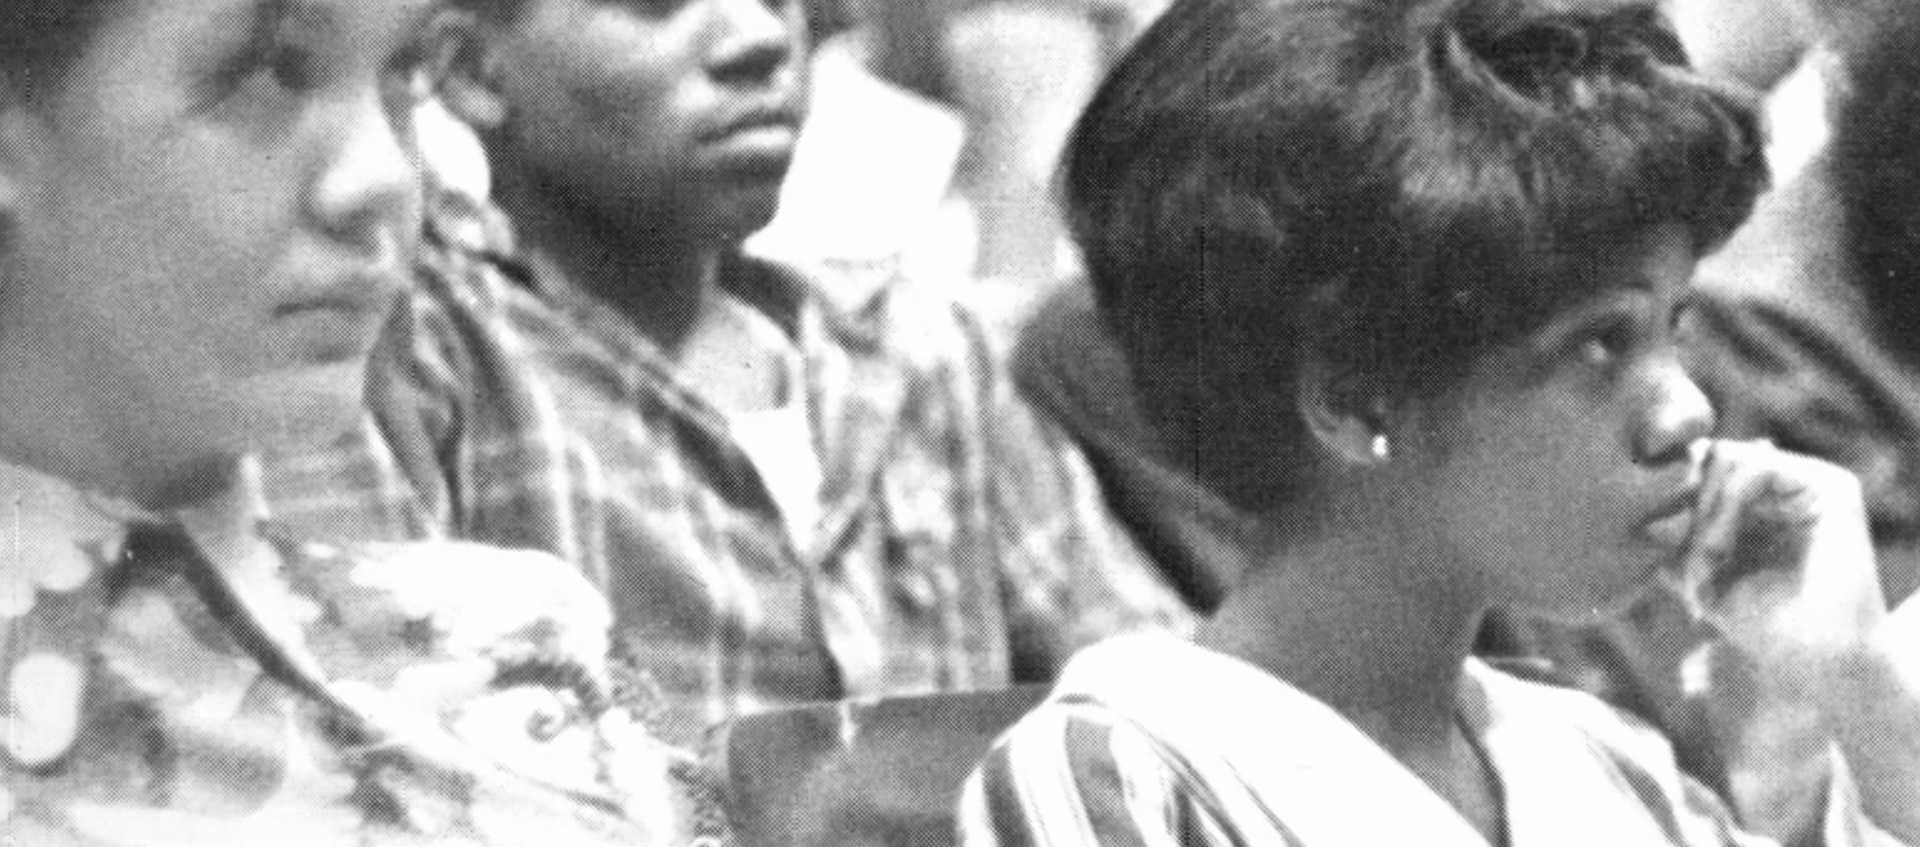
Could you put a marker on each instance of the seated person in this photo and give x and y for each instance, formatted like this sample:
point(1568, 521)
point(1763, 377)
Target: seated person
point(206, 209)
point(1803, 337)
point(1411, 278)
point(785, 499)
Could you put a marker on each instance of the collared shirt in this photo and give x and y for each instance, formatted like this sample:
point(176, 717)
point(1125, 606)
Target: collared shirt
point(1155, 741)
point(960, 543)
point(184, 680)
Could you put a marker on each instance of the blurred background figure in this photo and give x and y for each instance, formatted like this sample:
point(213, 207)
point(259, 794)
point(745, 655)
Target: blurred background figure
point(934, 138)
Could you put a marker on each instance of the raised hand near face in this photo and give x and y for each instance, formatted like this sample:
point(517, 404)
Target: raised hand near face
point(1779, 559)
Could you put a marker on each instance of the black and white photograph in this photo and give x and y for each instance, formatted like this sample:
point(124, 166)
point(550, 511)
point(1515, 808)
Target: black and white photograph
point(959, 423)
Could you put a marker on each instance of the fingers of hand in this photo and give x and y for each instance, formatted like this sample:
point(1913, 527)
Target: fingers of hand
point(1757, 508)
point(1780, 558)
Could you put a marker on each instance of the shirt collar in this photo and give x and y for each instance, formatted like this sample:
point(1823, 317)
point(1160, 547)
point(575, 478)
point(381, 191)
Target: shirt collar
point(1293, 753)
point(53, 535)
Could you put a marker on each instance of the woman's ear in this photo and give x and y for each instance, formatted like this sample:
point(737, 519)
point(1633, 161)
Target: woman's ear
point(460, 47)
point(1347, 422)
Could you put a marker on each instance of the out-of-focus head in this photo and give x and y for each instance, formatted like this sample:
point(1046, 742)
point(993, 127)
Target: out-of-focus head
point(1382, 191)
point(206, 209)
point(1875, 152)
point(1834, 372)
point(675, 117)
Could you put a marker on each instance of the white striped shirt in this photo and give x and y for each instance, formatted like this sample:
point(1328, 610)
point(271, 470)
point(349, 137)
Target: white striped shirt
point(1153, 741)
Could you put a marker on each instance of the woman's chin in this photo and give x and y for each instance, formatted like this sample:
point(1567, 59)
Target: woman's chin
point(285, 412)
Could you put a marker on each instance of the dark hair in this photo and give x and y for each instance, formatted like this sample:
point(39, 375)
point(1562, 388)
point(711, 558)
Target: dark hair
point(1393, 186)
point(40, 40)
point(1875, 162)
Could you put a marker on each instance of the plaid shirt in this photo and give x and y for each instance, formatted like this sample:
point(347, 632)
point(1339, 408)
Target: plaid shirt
point(961, 543)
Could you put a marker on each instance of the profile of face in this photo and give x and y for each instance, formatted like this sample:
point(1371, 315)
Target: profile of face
point(1562, 467)
point(682, 111)
point(210, 220)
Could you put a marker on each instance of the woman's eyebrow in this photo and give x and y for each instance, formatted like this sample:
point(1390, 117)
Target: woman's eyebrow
point(263, 25)
point(272, 17)
point(1578, 318)
point(304, 16)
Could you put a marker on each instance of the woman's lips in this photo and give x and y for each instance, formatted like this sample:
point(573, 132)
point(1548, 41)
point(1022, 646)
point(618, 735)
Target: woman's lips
point(338, 321)
point(360, 292)
point(1670, 523)
point(1670, 529)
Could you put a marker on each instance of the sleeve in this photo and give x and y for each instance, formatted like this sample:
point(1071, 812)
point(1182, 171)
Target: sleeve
point(1073, 776)
point(1072, 573)
point(1641, 761)
point(1708, 821)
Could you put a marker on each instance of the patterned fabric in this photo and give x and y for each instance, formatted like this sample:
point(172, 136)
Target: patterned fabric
point(175, 686)
point(1155, 741)
point(960, 544)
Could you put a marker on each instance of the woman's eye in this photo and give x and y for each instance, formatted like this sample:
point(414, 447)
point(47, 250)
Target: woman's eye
point(293, 69)
point(264, 68)
point(1595, 352)
point(1604, 346)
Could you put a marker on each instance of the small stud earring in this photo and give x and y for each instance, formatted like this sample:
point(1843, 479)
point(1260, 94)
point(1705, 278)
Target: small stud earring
point(1381, 450)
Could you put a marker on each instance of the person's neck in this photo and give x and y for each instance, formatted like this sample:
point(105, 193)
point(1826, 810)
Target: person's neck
point(652, 269)
point(1365, 617)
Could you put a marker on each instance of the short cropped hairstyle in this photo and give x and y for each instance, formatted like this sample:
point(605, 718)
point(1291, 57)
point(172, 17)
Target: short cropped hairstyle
point(1875, 162)
point(40, 40)
point(1391, 186)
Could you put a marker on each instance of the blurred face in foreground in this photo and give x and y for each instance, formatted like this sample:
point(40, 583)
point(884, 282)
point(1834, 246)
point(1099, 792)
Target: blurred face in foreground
point(209, 221)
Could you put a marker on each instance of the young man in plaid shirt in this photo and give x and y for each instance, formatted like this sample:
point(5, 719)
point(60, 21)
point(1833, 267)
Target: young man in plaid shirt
point(786, 497)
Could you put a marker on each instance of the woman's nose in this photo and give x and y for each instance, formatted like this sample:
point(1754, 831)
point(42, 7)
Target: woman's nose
point(367, 189)
point(1677, 414)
